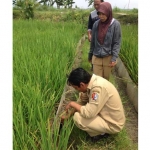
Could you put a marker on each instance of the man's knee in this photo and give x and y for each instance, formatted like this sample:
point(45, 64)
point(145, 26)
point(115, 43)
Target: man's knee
point(77, 120)
point(76, 117)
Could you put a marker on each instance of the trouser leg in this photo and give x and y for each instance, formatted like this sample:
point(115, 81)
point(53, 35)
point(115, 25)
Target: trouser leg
point(93, 126)
point(107, 72)
point(101, 66)
point(97, 66)
point(107, 69)
point(98, 70)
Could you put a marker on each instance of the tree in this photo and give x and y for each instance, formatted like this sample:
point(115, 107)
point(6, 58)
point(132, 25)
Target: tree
point(27, 7)
point(65, 3)
point(70, 2)
point(59, 3)
point(90, 2)
point(14, 2)
point(47, 2)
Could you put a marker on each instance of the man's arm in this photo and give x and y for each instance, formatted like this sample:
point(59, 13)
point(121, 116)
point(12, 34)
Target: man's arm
point(89, 35)
point(92, 45)
point(74, 105)
point(116, 42)
point(70, 109)
point(90, 24)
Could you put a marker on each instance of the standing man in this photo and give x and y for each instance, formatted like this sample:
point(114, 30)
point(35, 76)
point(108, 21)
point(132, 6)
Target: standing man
point(99, 110)
point(92, 18)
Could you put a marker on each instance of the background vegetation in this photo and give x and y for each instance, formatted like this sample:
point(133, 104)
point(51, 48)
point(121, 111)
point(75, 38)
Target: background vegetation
point(44, 47)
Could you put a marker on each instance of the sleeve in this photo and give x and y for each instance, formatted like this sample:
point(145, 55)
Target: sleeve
point(90, 24)
point(116, 44)
point(97, 100)
point(92, 42)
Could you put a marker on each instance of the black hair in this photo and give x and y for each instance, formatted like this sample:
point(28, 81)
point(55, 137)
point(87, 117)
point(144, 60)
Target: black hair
point(102, 0)
point(77, 76)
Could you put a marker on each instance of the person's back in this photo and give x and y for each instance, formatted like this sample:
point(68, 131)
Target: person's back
point(110, 108)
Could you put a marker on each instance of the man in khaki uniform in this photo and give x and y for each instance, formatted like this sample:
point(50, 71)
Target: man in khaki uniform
point(99, 110)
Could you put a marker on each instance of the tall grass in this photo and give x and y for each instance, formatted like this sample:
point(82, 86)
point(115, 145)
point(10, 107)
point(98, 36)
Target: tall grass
point(129, 50)
point(43, 53)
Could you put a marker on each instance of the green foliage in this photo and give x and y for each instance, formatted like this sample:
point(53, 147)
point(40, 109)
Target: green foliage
point(131, 18)
point(38, 77)
point(129, 50)
point(65, 3)
point(135, 10)
point(26, 8)
point(28, 11)
point(43, 8)
point(116, 9)
point(41, 61)
point(47, 2)
point(126, 17)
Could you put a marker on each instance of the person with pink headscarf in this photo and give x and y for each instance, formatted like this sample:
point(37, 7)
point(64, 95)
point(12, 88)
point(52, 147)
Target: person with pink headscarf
point(105, 42)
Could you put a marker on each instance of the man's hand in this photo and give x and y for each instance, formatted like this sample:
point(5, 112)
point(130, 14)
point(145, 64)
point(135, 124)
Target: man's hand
point(112, 64)
point(74, 105)
point(89, 37)
point(70, 109)
point(66, 114)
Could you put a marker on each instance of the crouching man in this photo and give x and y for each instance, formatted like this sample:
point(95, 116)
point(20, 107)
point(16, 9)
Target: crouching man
point(99, 110)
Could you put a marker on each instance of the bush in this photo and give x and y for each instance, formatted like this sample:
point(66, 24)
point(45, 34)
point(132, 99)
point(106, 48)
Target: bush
point(116, 9)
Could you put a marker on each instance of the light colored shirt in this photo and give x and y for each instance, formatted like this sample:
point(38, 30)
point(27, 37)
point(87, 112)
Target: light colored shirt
point(102, 99)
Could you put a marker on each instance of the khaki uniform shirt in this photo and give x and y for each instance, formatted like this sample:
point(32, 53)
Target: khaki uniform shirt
point(102, 99)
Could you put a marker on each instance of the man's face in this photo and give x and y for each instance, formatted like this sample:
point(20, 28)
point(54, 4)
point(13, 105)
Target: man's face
point(96, 4)
point(82, 88)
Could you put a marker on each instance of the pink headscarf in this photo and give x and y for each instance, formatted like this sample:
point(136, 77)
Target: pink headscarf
point(106, 9)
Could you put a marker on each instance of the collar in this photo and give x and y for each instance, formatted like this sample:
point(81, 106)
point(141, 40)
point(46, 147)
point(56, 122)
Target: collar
point(91, 81)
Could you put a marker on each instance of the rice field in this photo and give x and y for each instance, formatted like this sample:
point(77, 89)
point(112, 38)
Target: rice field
point(43, 53)
point(129, 50)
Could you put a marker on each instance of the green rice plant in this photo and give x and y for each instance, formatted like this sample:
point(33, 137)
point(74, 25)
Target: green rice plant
point(129, 50)
point(43, 53)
